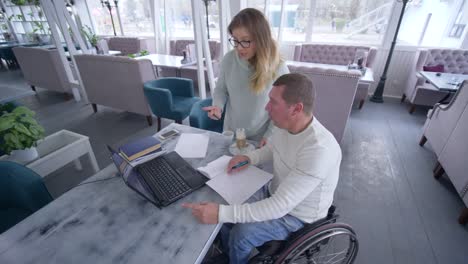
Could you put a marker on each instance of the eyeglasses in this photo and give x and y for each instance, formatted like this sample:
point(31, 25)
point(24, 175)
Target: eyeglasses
point(244, 43)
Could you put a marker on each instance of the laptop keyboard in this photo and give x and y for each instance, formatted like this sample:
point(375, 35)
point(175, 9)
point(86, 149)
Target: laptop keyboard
point(163, 180)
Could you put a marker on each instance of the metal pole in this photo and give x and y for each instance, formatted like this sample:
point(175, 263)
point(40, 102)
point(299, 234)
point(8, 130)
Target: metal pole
point(207, 21)
point(112, 18)
point(377, 96)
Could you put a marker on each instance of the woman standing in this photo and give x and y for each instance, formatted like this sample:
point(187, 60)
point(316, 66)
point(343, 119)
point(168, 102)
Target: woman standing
point(246, 76)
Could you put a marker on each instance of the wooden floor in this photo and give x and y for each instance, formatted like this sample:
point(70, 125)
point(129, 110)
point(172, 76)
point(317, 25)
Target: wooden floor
point(386, 189)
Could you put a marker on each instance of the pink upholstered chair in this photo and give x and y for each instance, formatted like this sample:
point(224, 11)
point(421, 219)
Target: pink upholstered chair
point(418, 91)
point(116, 82)
point(339, 55)
point(127, 45)
point(190, 72)
point(453, 160)
point(442, 120)
point(43, 68)
point(334, 97)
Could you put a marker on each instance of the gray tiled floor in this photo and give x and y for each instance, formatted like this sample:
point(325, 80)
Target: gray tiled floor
point(386, 189)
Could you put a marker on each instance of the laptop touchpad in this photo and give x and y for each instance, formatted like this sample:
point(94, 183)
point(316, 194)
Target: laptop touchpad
point(192, 177)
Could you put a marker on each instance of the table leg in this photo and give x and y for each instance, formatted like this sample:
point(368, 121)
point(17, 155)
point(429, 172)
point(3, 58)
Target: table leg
point(93, 161)
point(78, 165)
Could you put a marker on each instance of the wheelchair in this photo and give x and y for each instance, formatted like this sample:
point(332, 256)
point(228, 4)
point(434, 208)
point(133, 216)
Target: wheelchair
point(324, 241)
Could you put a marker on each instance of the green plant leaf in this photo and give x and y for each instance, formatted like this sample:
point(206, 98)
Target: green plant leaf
point(28, 120)
point(23, 110)
point(23, 129)
point(12, 140)
point(6, 123)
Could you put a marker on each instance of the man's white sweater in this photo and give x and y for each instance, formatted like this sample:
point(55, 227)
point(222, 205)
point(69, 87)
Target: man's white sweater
point(306, 170)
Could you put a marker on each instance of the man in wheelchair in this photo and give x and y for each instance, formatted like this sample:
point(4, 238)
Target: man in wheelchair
point(306, 161)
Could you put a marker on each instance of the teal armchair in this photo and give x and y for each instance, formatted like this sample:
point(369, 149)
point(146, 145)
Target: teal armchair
point(199, 118)
point(170, 98)
point(22, 192)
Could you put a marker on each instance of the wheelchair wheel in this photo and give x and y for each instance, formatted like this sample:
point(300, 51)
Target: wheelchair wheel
point(332, 243)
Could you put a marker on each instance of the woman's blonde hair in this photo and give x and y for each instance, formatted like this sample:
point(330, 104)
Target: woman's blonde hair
point(266, 59)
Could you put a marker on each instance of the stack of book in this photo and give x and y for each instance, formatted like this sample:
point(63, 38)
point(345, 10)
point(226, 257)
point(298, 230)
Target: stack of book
point(140, 148)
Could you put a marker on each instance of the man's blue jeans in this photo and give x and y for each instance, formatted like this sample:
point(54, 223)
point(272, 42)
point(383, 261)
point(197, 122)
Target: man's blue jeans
point(239, 239)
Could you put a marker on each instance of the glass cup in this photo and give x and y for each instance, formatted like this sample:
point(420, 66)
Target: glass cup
point(241, 140)
point(228, 135)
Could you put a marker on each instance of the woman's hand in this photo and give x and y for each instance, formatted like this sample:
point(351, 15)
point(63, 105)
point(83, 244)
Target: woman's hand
point(214, 112)
point(262, 142)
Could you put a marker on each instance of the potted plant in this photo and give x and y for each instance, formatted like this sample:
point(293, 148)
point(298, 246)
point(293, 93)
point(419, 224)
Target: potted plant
point(19, 133)
point(90, 36)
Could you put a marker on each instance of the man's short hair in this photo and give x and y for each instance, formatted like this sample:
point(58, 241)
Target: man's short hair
point(298, 88)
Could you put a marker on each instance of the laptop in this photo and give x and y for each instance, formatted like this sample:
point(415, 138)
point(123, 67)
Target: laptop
point(161, 180)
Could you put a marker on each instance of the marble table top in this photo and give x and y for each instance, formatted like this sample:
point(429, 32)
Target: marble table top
point(164, 60)
point(367, 78)
point(106, 222)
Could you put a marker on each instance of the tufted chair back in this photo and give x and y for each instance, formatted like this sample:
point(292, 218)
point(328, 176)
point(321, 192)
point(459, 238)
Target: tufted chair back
point(335, 91)
point(417, 90)
point(178, 46)
point(127, 45)
point(332, 54)
point(454, 60)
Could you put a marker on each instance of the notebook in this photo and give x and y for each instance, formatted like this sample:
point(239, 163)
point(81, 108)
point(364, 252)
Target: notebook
point(140, 147)
point(162, 180)
point(236, 187)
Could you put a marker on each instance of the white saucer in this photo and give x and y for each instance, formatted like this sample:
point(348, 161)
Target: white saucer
point(235, 151)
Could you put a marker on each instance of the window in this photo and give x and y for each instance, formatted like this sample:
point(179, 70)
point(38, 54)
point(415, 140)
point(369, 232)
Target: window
point(446, 23)
point(332, 21)
point(136, 17)
point(351, 21)
point(102, 19)
point(179, 19)
point(213, 19)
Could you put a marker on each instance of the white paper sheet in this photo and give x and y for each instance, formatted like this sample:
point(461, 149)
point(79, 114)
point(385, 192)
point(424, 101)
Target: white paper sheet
point(236, 188)
point(216, 167)
point(192, 145)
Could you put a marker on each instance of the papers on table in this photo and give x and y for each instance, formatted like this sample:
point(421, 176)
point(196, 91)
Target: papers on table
point(216, 167)
point(236, 187)
point(192, 145)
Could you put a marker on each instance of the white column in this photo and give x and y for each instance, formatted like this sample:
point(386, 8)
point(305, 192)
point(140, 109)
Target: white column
point(57, 17)
point(282, 17)
point(154, 5)
point(196, 11)
point(223, 24)
point(310, 21)
point(206, 51)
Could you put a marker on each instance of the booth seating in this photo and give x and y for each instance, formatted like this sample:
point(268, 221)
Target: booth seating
point(43, 68)
point(335, 92)
point(420, 92)
point(338, 55)
point(127, 45)
point(445, 130)
point(116, 82)
point(177, 48)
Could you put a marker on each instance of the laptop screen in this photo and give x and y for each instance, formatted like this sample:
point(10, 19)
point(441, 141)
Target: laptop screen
point(130, 176)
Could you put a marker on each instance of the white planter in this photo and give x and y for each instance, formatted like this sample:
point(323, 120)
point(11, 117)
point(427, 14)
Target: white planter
point(24, 155)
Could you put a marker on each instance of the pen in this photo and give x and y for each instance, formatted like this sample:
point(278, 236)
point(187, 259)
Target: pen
point(240, 164)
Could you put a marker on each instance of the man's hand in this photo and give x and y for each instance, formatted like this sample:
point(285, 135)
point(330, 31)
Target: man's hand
point(262, 142)
point(206, 213)
point(238, 163)
point(214, 112)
